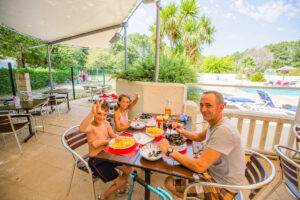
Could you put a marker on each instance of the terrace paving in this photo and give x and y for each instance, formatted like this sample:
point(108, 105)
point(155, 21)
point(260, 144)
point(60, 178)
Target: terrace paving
point(43, 171)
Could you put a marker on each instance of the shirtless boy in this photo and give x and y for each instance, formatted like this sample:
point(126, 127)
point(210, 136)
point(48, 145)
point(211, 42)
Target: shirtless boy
point(98, 132)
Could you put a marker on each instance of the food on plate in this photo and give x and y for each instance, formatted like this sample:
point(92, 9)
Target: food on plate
point(137, 125)
point(145, 116)
point(175, 139)
point(154, 153)
point(154, 131)
point(122, 142)
point(151, 152)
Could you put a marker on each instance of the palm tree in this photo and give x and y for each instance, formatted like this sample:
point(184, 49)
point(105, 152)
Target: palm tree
point(200, 33)
point(152, 38)
point(195, 30)
point(169, 23)
point(185, 30)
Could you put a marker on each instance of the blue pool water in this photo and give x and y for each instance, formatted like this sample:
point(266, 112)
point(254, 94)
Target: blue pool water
point(289, 92)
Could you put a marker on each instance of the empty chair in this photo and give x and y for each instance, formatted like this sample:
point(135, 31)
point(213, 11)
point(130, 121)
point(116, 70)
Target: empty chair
point(264, 96)
point(41, 111)
point(296, 131)
point(52, 102)
point(8, 126)
point(290, 170)
point(256, 175)
point(72, 139)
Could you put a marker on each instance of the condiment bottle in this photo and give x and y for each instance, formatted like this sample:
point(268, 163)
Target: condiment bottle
point(168, 108)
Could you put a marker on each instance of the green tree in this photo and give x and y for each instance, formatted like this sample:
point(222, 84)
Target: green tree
point(141, 42)
point(170, 24)
point(186, 31)
point(283, 53)
point(138, 46)
point(212, 64)
point(66, 57)
point(296, 59)
point(17, 46)
point(263, 58)
point(100, 59)
point(248, 65)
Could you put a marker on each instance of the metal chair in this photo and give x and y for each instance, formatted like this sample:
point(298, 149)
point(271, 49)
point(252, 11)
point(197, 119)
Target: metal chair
point(296, 131)
point(41, 111)
point(72, 138)
point(53, 102)
point(290, 170)
point(255, 173)
point(8, 126)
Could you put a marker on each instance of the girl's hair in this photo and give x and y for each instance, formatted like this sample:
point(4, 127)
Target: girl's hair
point(121, 97)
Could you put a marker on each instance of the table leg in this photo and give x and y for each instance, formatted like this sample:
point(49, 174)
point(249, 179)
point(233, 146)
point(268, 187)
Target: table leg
point(68, 100)
point(148, 181)
point(31, 133)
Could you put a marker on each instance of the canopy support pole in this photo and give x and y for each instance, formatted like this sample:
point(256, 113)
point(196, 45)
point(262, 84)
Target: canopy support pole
point(157, 41)
point(125, 25)
point(49, 49)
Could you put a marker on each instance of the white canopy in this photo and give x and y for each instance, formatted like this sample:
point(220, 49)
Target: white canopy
point(58, 21)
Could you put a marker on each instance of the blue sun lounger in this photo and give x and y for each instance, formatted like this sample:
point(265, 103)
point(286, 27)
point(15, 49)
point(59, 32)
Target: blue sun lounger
point(268, 101)
point(239, 99)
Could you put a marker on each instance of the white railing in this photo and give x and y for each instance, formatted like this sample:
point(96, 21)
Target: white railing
point(264, 131)
point(261, 131)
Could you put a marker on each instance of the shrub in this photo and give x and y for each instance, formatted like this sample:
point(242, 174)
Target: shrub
point(193, 93)
point(173, 69)
point(258, 77)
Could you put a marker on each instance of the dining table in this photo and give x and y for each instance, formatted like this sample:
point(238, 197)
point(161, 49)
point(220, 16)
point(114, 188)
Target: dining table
point(165, 165)
point(26, 106)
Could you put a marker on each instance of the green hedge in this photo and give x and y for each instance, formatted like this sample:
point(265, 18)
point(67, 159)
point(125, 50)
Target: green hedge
point(39, 78)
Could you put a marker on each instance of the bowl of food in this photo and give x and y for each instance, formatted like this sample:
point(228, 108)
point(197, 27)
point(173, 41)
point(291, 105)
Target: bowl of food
point(137, 125)
point(122, 143)
point(151, 152)
point(145, 117)
point(154, 131)
point(176, 141)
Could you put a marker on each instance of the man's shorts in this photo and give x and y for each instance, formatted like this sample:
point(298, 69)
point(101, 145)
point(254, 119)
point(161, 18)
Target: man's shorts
point(104, 170)
point(203, 192)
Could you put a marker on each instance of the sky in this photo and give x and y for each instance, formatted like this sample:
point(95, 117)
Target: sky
point(240, 24)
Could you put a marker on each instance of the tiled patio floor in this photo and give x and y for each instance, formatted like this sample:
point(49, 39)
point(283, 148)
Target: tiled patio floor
point(43, 171)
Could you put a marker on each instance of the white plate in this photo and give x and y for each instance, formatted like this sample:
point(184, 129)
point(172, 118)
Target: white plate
point(153, 135)
point(149, 148)
point(137, 125)
point(113, 141)
point(142, 138)
point(180, 147)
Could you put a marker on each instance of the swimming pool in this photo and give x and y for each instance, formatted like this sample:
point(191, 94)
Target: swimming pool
point(289, 92)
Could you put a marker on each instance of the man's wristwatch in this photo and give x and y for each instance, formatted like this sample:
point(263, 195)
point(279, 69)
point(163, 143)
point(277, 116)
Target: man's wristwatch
point(169, 150)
